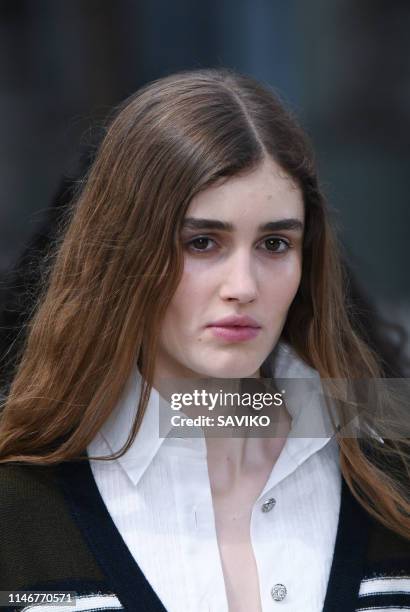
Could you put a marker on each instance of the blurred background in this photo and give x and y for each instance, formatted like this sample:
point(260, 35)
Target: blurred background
point(342, 65)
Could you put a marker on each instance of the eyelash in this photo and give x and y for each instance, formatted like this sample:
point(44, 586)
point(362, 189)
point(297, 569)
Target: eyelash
point(276, 238)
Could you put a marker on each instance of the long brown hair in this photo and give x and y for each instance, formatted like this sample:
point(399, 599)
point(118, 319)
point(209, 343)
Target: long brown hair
point(119, 261)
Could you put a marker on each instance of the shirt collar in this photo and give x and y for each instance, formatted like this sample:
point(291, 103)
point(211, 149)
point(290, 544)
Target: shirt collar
point(285, 365)
point(312, 428)
point(116, 429)
point(304, 395)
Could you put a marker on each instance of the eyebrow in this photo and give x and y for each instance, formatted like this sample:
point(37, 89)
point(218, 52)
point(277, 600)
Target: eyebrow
point(214, 224)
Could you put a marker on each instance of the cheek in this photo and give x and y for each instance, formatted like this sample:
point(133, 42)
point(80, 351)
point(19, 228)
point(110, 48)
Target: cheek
point(187, 299)
point(196, 283)
point(287, 281)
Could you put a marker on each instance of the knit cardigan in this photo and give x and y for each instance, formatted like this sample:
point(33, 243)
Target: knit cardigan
point(57, 535)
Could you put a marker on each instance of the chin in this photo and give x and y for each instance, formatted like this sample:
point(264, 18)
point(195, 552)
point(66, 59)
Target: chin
point(231, 370)
point(237, 373)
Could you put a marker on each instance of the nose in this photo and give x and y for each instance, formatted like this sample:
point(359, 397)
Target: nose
point(239, 279)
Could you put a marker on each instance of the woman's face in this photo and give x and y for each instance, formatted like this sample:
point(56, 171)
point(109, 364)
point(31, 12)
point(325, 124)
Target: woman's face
point(242, 244)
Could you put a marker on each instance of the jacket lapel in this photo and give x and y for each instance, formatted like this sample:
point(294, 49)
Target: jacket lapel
point(348, 563)
point(104, 540)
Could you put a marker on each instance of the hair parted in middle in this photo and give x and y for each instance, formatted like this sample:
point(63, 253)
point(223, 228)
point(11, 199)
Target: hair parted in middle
point(119, 260)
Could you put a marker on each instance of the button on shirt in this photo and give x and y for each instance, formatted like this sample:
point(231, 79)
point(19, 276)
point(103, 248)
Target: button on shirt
point(159, 497)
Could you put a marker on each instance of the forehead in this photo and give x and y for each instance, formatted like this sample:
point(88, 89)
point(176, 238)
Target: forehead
point(266, 191)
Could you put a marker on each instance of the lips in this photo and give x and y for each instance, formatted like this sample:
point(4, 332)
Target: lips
point(235, 321)
point(235, 328)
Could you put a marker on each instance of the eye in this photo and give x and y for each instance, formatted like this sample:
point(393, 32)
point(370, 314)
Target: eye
point(199, 244)
point(276, 245)
point(205, 244)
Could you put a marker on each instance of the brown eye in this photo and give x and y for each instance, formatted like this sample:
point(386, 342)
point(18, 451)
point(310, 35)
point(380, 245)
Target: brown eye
point(276, 245)
point(199, 244)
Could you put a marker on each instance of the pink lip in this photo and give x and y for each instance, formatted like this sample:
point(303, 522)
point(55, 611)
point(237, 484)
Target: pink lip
point(235, 321)
point(234, 334)
point(235, 328)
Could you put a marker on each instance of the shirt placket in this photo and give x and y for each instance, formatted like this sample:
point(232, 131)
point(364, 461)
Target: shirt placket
point(271, 554)
point(201, 558)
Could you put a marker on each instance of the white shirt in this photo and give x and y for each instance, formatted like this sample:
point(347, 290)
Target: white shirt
point(159, 497)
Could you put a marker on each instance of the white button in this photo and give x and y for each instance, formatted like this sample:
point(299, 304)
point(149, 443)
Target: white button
point(268, 504)
point(278, 592)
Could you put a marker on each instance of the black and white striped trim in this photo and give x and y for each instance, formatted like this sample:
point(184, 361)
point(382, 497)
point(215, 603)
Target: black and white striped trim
point(384, 593)
point(84, 603)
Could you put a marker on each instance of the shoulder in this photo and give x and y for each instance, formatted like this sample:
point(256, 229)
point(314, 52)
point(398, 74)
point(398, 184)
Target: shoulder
point(385, 581)
point(24, 486)
point(31, 504)
point(39, 537)
point(386, 547)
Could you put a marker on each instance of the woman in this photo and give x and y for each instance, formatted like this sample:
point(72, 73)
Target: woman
point(201, 213)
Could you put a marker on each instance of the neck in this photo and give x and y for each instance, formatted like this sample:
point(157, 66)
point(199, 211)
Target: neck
point(233, 459)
